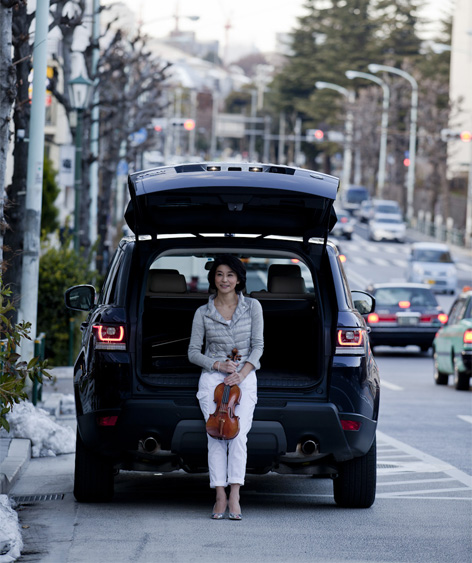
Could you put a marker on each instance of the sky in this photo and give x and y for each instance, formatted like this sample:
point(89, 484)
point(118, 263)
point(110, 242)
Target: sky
point(253, 22)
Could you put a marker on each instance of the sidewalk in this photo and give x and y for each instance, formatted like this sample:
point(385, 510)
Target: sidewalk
point(15, 453)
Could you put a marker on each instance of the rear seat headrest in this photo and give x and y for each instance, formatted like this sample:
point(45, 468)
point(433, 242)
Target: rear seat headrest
point(287, 270)
point(167, 282)
point(287, 284)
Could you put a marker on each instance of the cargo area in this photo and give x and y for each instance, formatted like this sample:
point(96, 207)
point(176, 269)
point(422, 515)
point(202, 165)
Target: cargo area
point(291, 327)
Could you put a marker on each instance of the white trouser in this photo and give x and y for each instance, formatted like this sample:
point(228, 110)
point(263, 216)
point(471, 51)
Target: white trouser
point(227, 458)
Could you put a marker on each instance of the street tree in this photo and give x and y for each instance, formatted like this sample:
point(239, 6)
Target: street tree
point(7, 96)
point(137, 96)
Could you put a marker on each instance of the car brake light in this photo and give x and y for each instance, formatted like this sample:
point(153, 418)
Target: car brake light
point(350, 337)
point(404, 304)
point(468, 336)
point(110, 337)
point(443, 318)
point(350, 425)
point(373, 318)
point(343, 219)
point(107, 420)
point(342, 258)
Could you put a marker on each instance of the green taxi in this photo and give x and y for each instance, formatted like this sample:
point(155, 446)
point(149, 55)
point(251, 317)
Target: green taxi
point(452, 345)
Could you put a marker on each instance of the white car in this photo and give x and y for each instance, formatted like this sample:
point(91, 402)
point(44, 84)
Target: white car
point(387, 227)
point(379, 207)
point(431, 263)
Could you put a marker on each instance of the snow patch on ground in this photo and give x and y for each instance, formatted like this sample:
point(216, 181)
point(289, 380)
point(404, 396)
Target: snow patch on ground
point(11, 542)
point(48, 438)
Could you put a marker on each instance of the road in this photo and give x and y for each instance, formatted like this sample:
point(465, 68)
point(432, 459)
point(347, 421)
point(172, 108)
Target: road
point(422, 513)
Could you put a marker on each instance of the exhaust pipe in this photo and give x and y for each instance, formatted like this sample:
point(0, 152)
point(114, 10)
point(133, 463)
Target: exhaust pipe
point(150, 445)
point(309, 447)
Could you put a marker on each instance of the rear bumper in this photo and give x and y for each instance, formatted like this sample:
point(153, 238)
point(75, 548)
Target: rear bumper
point(419, 336)
point(180, 431)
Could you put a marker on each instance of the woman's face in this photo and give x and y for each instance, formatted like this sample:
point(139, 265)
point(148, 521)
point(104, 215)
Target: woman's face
point(226, 279)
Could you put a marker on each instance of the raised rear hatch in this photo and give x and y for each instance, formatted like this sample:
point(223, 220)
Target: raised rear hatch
point(232, 198)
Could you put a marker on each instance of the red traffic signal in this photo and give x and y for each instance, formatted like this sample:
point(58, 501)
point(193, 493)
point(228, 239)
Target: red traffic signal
point(466, 136)
point(189, 124)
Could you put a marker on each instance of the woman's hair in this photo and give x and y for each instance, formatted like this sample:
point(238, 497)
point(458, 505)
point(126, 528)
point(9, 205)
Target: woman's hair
point(232, 262)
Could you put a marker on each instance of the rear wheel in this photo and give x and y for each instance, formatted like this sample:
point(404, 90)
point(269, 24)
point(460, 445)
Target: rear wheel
point(93, 478)
point(356, 482)
point(440, 377)
point(461, 378)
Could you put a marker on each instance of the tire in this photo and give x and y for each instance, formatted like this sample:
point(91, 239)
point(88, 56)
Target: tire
point(356, 482)
point(425, 347)
point(461, 378)
point(93, 477)
point(440, 377)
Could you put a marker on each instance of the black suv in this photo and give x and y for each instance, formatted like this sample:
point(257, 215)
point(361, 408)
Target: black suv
point(318, 386)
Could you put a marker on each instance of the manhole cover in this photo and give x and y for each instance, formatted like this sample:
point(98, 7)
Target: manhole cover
point(35, 498)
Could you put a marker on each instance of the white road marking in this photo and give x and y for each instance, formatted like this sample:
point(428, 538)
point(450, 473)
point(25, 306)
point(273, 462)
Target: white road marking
point(434, 463)
point(391, 386)
point(465, 417)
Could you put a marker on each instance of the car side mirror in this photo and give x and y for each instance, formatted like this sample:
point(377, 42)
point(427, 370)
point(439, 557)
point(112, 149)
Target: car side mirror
point(80, 297)
point(364, 302)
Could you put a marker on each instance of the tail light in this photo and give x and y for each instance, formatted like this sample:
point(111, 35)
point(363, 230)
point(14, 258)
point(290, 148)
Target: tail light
point(373, 318)
point(110, 337)
point(342, 257)
point(350, 341)
point(468, 336)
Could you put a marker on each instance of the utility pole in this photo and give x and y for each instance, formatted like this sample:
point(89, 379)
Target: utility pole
point(28, 310)
point(94, 132)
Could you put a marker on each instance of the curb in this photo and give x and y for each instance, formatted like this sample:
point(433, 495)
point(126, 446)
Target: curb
point(19, 454)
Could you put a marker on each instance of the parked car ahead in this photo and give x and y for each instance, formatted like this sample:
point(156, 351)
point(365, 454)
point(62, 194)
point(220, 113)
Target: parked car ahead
point(452, 347)
point(405, 314)
point(432, 263)
point(387, 227)
point(318, 385)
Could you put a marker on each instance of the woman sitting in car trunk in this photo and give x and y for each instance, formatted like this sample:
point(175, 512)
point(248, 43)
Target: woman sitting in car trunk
point(229, 320)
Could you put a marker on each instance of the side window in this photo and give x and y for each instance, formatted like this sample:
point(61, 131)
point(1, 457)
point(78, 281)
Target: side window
point(468, 313)
point(455, 311)
point(108, 289)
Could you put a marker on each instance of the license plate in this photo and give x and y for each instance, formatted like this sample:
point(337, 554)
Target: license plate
point(408, 320)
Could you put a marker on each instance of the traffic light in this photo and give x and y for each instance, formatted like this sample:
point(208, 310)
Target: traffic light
point(184, 123)
point(455, 135)
point(314, 135)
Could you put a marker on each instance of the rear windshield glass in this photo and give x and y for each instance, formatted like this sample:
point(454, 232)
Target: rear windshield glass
point(260, 270)
point(431, 255)
point(391, 296)
point(387, 209)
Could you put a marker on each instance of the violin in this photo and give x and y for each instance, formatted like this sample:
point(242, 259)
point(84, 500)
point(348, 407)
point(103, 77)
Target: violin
point(223, 424)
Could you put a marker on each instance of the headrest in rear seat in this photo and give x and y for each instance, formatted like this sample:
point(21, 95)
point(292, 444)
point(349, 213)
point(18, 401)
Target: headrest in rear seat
point(166, 282)
point(287, 270)
point(283, 284)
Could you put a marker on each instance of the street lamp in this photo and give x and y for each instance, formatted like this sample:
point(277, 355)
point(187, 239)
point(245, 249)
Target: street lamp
point(347, 159)
point(79, 94)
point(410, 185)
point(384, 125)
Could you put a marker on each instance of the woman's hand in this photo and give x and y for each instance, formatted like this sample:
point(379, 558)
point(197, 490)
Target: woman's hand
point(228, 366)
point(234, 379)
